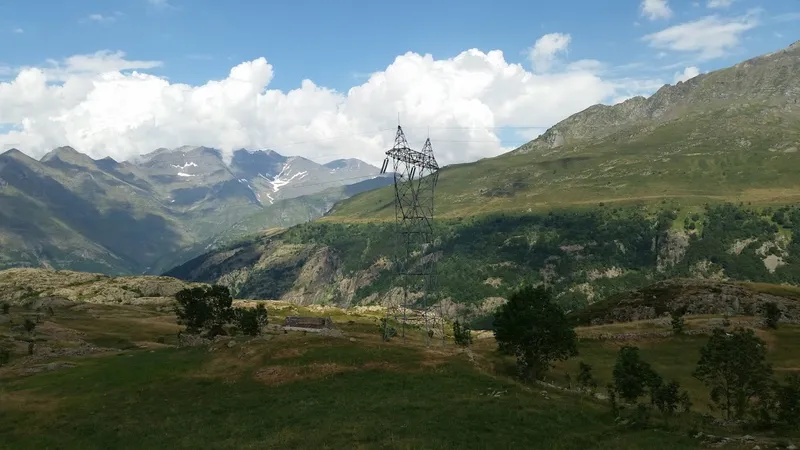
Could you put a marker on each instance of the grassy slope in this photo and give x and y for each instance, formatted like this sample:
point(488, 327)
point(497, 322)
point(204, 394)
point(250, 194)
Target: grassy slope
point(706, 156)
point(296, 391)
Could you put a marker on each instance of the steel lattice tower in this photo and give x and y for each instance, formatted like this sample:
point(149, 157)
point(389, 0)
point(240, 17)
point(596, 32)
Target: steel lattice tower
point(415, 177)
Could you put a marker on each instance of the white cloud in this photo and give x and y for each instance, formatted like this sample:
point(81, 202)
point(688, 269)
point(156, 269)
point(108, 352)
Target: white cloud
point(687, 74)
point(655, 9)
point(104, 112)
point(100, 18)
point(18, 30)
point(719, 3)
point(710, 37)
point(92, 64)
point(546, 50)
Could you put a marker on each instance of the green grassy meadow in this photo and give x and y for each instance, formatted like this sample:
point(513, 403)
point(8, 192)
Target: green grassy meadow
point(301, 390)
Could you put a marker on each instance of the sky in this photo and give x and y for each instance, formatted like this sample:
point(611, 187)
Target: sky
point(329, 80)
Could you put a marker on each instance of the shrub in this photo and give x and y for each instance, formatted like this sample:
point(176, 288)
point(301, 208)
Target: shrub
point(29, 326)
point(586, 381)
point(772, 314)
point(386, 329)
point(5, 307)
point(462, 334)
point(677, 322)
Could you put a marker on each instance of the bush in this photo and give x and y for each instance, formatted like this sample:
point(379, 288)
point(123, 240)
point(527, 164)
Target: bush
point(535, 330)
point(677, 322)
point(586, 381)
point(386, 329)
point(204, 308)
point(5, 307)
point(772, 314)
point(462, 334)
point(29, 326)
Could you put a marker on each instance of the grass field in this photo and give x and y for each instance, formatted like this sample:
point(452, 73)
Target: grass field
point(312, 391)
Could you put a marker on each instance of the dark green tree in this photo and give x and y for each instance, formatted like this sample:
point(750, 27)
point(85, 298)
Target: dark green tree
point(632, 375)
point(586, 381)
point(204, 308)
point(734, 366)
point(462, 335)
point(667, 397)
point(535, 330)
point(772, 314)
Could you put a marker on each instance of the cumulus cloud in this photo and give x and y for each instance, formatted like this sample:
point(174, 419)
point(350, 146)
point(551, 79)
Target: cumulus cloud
point(656, 9)
point(547, 49)
point(710, 37)
point(719, 3)
point(92, 103)
point(687, 74)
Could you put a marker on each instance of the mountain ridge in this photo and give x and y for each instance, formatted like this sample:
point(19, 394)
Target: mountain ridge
point(68, 210)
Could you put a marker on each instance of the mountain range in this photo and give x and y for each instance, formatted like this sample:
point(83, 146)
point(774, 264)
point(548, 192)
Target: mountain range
point(697, 180)
point(70, 211)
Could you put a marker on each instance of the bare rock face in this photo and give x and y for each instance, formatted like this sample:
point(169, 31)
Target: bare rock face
point(696, 297)
point(44, 287)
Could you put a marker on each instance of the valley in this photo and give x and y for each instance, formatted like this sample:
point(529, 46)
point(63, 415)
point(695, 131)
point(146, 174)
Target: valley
point(68, 211)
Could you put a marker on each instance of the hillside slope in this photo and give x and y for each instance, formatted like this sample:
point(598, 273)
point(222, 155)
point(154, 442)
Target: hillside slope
point(729, 135)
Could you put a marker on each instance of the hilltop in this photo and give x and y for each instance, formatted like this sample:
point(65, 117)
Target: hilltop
point(729, 135)
point(69, 211)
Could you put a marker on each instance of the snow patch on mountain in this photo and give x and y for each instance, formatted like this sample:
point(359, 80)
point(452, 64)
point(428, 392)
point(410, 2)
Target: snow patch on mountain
point(184, 174)
point(185, 165)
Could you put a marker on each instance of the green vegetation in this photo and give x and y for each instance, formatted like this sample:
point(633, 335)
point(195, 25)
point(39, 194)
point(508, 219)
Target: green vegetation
point(462, 335)
point(535, 331)
point(734, 367)
point(772, 314)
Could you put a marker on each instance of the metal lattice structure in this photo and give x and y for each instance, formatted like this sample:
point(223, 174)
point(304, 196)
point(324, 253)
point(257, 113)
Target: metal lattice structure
point(415, 177)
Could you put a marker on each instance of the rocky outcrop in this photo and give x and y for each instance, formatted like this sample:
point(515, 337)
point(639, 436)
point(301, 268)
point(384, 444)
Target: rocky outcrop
point(44, 287)
point(695, 297)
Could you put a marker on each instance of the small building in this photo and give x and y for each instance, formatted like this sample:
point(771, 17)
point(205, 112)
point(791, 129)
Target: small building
point(304, 323)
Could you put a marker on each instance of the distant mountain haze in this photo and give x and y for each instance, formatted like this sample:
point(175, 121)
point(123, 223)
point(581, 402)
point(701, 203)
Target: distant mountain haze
point(70, 211)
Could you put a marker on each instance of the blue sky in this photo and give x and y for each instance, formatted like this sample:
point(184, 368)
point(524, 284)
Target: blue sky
point(230, 74)
point(333, 43)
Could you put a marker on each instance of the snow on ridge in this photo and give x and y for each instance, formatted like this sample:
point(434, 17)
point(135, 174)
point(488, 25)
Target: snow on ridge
point(185, 165)
point(279, 182)
point(184, 174)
